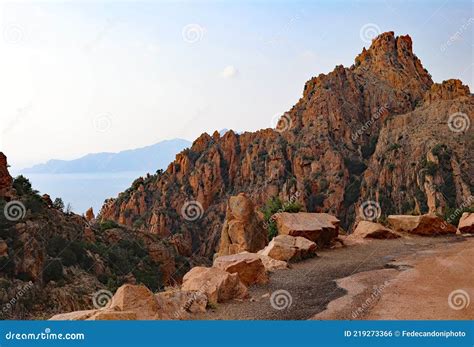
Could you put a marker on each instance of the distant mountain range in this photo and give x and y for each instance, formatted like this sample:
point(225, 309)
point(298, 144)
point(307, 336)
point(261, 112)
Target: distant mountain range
point(146, 159)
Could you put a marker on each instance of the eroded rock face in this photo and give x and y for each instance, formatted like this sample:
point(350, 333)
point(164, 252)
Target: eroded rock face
point(359, 133)
point(366, 229)
point(320, 228)
point(137, 299)
point(289, 248)
point(90, 214)
point(466, 223)
point(248, 266)
point(217, 284)
point(426, 225)
point(5, 178)
point(242, 231)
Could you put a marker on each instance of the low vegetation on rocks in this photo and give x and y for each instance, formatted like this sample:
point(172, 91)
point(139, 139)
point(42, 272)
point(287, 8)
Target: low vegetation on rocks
point(376, 132)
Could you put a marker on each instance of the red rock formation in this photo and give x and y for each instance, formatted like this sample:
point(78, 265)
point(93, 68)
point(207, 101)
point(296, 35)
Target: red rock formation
point(242, 231)
point(5, 178)
point(360, 133)
point(90, 214)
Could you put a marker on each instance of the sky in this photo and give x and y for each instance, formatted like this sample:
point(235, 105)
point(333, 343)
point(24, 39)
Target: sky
point(80, 77)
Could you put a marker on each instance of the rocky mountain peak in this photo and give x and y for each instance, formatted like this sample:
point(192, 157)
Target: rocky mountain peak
point(391, 59)
point(356, 135)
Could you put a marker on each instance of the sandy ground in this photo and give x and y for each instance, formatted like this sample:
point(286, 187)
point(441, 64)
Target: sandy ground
point(408, 278)
point(434, 284)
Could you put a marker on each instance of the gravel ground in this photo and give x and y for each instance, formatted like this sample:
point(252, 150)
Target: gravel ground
point(311, 283)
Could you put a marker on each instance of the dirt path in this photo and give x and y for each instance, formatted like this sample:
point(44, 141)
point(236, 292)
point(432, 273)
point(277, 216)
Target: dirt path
point(311, 284)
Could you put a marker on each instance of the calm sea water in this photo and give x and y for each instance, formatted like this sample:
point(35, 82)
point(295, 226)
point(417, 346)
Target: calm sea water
point(83, 190)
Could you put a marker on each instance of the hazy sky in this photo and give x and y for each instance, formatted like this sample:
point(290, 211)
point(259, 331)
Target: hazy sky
point(81, 77)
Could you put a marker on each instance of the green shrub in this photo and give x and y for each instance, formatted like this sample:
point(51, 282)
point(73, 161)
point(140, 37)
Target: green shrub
point(352, 192)
point(53, 270)
point(58, 204)
point(315, 201)
point(422, 200)
point(275, 205)
point(23, 186)
point(55, 245)
point(108, 224)
point(369, 149)
point(68, 258)
point(431, 168)
point(355, 166)
point(452, 215)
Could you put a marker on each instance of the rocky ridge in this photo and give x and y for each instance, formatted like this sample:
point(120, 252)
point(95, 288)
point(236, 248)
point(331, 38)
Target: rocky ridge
point(376, 131)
